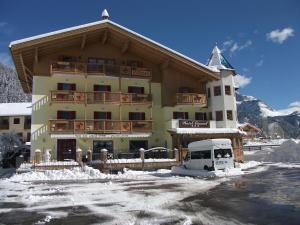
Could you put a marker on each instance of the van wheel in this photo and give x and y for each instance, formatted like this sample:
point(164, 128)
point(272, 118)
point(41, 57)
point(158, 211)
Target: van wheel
point(206, 167)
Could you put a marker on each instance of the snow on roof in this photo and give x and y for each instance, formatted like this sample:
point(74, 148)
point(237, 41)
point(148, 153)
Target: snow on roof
point(212, 69)
point(217, 60)
point(15, 109)
point(206, 130)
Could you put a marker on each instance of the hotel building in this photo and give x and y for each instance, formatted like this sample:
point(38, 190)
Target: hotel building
point(101, 85)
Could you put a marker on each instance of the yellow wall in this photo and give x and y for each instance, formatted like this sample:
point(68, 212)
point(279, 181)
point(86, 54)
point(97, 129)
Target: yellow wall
point(16, 128)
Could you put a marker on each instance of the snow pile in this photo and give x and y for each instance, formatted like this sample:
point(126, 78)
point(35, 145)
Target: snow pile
point(76, 173)
point(248, 165)
point(58, 163)
point(179, 170)
point(239, 170)
point(286, 165)
point(289, 151)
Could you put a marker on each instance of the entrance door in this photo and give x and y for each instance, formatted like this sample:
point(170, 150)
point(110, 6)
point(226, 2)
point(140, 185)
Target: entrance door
point(98, 145)
point(66, 149)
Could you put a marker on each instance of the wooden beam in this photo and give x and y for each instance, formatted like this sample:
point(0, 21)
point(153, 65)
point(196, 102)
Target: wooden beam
point(83, 42)
point(36, 55)
point(28, 70)
point(104, 37)
point(125, 46)
point(24, 71)
point(165, 64)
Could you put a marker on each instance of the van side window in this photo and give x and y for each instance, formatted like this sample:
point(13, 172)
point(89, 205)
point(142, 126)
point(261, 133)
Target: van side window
point(201, 154)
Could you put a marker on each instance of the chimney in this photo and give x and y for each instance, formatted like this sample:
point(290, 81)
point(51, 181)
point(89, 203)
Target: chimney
point(105, 15)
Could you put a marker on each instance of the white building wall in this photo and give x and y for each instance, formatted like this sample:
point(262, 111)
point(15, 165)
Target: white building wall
point(223, 102)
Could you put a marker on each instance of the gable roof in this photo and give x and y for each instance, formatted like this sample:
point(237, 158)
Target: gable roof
point(31, 44)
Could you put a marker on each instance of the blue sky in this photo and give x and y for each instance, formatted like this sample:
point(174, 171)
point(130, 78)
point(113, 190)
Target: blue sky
point(261, 39)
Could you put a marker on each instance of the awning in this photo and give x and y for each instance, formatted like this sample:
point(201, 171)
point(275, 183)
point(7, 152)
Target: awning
point(207, 131)
point(100, 136)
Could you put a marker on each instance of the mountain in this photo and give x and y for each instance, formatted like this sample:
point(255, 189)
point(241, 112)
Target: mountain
point(10, 87)
point(283, 123)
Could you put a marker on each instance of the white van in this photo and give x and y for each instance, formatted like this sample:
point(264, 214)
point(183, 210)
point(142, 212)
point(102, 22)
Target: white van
point(210, 154)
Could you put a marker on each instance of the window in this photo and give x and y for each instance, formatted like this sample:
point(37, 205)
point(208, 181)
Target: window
point(185, 90)
point(208, 92)
point(28, 137)
point(217, 91)
point(66, 86)
point(101, 61)
point(68, 58)
point(67, 115)
point(98, 145)
point(222, 153)
point(136, 116)
point(227, 90)
point(134, 146)
point(229, 114)
point(102, 115)
point(4, 122)
point(27, 122)
point(210, 116)
point(219, 115)
point(137, 90)
point(134, 63)
point(201, 154)
point(181, 115)
point(100, 87)
point(200, 116)
point(16, 120)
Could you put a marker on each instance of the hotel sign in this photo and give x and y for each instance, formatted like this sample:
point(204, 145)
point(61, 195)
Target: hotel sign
point(193, 124)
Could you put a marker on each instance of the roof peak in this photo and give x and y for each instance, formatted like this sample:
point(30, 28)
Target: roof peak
point(105, 15)
point(217, 60)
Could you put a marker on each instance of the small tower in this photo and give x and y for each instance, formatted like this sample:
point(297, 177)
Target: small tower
point(225, 101)
point(105, 15)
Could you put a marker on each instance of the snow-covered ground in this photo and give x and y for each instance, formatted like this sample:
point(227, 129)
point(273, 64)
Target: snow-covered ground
point(118, 199)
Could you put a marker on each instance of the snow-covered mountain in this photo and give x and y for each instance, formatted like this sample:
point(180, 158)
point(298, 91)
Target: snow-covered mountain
point(285, 122)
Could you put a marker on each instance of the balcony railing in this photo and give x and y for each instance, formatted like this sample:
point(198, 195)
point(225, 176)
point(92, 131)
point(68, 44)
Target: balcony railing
point(191, 99)
point(99, 97)
point(105, 69)
point(99, 126)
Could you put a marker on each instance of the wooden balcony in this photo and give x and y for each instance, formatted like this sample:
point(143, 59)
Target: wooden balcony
point(99, 97)
point(65, 96)
point(191, 99)
point(101, 69)
point(99, 126)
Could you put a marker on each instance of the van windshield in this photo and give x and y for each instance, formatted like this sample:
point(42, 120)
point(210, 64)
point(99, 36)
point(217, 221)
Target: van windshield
point(223, 153)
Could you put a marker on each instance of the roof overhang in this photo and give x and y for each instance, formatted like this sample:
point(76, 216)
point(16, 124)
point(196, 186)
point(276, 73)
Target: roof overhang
point(25, 52)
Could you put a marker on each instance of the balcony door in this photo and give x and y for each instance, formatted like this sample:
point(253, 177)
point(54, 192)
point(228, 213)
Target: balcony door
point(66, 86)
point(136, 116)
point(100, 87)
point(67, 115)
point(66, 149)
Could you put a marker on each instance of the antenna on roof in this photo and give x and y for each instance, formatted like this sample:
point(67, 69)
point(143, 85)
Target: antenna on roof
point(105, 15)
